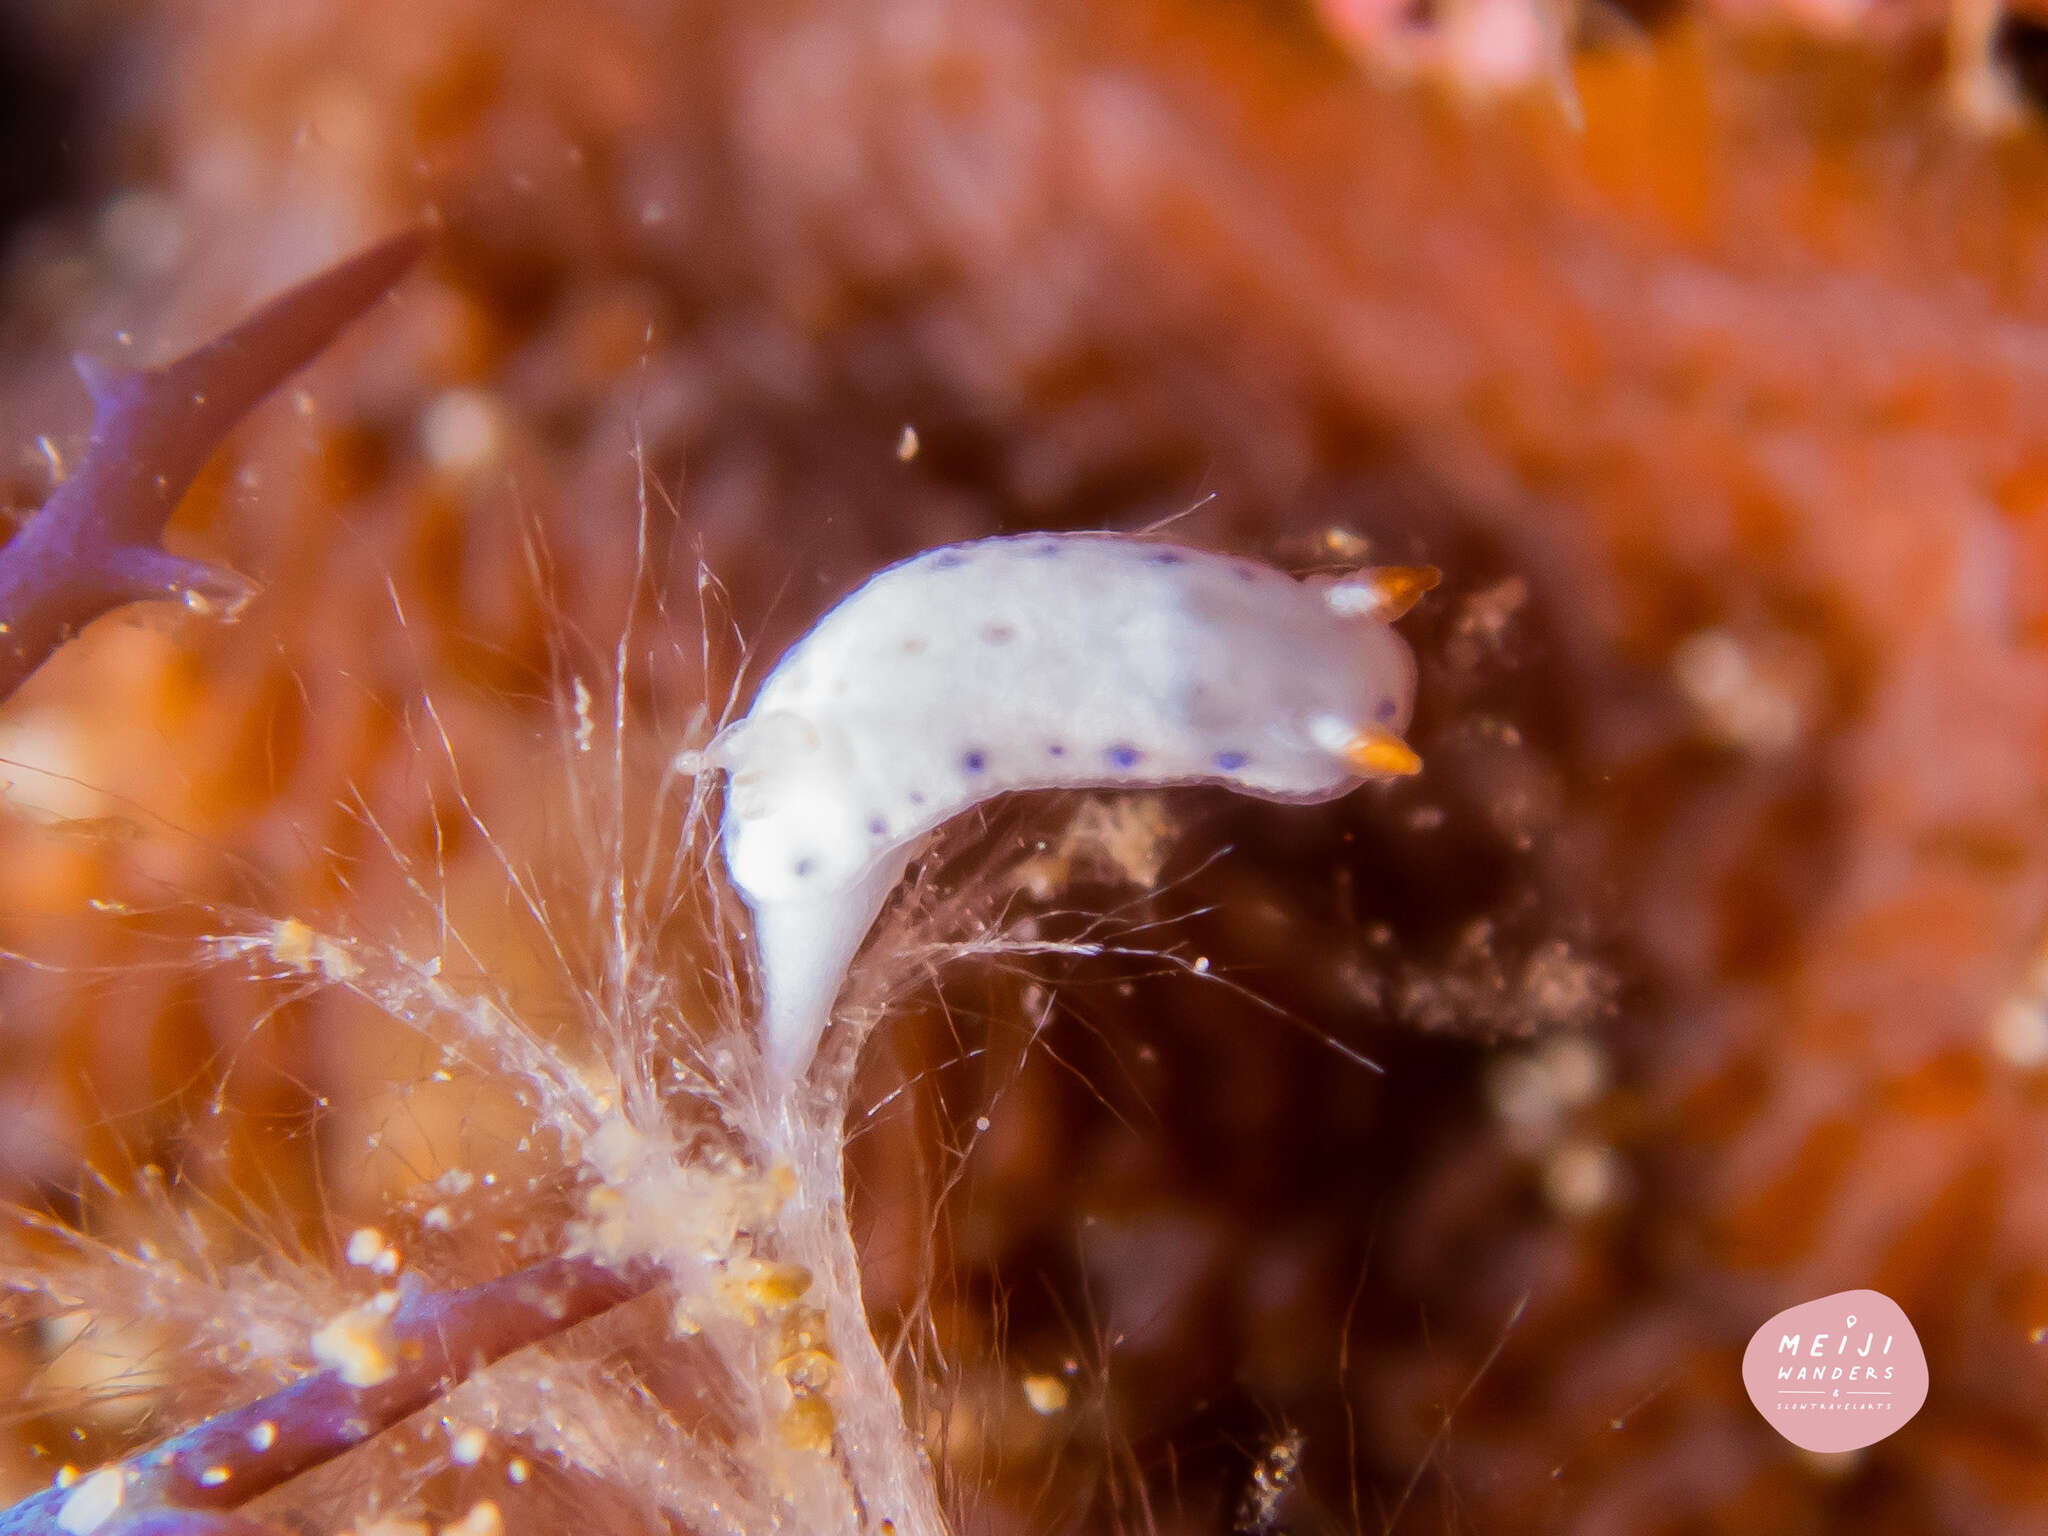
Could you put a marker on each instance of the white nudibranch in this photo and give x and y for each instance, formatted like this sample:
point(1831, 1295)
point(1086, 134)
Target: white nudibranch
point(1044, 661)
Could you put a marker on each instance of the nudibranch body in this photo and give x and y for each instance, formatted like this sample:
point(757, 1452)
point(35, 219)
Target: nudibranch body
point(1042, 661)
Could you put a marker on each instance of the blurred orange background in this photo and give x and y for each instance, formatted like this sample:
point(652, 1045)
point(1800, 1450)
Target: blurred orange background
point(1704, 351)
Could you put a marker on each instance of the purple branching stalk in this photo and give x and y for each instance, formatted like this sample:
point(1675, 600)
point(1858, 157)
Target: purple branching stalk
point(91, 547)
point(96, 543)
point(190, 1484)
point(750, 1230)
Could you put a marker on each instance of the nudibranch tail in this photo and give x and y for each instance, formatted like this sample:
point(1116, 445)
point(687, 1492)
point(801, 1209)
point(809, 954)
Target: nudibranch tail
point(804, 950)
point(1042, 661)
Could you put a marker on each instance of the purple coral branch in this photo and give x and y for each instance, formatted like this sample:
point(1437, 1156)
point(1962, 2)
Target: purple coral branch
point(189, 1484)
point(94, 544)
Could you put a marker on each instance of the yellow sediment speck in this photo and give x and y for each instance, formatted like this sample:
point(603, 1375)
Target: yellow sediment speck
point(1046, 1394)
point(777, 1285)
point(807, 1424)
point(360, 1345)
point(807, 1370)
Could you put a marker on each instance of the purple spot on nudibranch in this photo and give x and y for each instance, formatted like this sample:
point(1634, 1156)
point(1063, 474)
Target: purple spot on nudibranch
point(1230, 762)
point(1165, 557)
point(1385, 712)
point(877, 827)
point(1057, 749)
point(1046, 549)
point(804, 867)
point(915, 797)
point(973, 762)
point(1122, 757)
point(998, 634)
point(948, 559)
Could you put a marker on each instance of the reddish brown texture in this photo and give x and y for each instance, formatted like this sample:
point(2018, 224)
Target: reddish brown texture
point(1761, 350)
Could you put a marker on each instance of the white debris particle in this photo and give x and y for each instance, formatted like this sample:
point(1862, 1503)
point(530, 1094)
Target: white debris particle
point(2019, 1032)
point(1347, 544)
point(468, 1446)
point(614, 1149)
point(293, 943)
point(263, 1436)
point(213, 1477)
point(143, 231)
point(462, 431)
point(1523, 1098)
point(1577, 1069)
point(90, 1503)
point(360, 1345)
point(1581, 1178)
point(1047, 1395)
point(483, 1519)
point(516, 1470)
point(1561, 989)
point(906, 444)
point(1259, 1510)
point(586, 724)
point(364, 1245)
point(1749, 701)
point(1124, 840)
point(437, 1219)
point(1481, 629)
